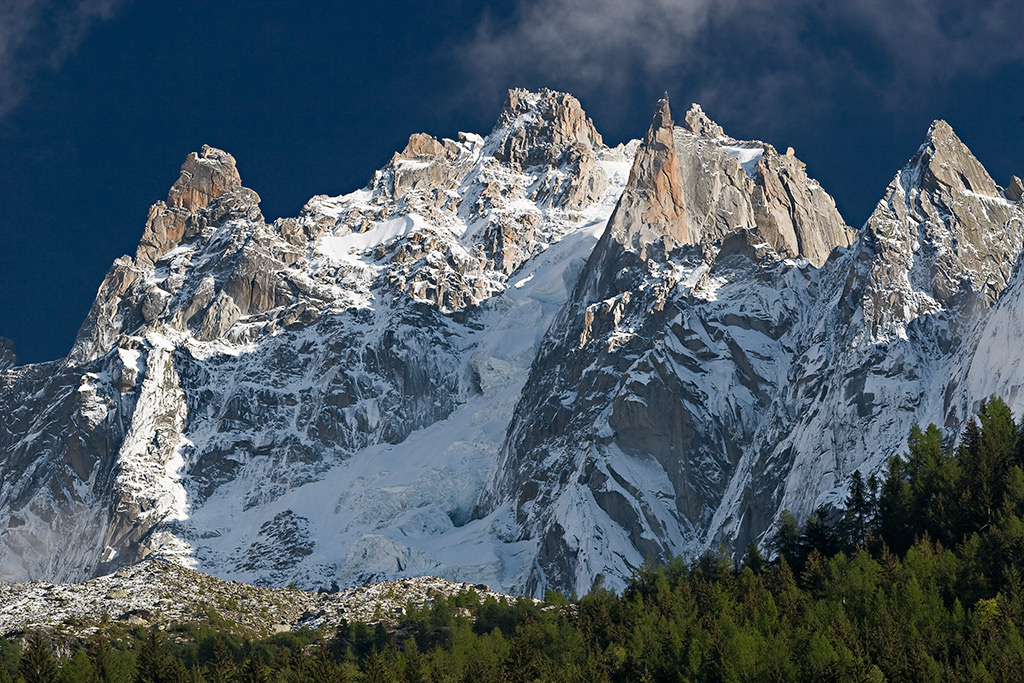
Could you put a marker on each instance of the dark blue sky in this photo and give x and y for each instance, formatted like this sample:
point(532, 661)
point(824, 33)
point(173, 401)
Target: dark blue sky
point(101, 100)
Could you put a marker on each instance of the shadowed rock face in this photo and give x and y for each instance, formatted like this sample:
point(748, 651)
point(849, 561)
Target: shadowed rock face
point(1015, 192)
point(7, 357)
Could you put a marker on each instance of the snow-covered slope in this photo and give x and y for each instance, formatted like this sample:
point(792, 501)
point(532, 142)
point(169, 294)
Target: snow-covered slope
point(242, 396)
point(524, 359)
point(730, 355)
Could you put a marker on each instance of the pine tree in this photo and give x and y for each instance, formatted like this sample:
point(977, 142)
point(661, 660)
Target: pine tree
point(378, 670)
point(753, 559)
point(154, 662)
point(222, 669)
point(37, 662)
point(255, 670)
point(78, 669)
point(786, 542)
point(111, 666)
point(857, 519)
point(415, 670)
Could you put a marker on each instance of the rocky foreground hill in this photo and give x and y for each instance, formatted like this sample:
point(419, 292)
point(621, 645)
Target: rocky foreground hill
point(161, 594)
point(526, 360)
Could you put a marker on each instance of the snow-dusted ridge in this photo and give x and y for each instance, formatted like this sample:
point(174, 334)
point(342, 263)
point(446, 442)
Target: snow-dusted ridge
point(160, 594)
point(523, 360)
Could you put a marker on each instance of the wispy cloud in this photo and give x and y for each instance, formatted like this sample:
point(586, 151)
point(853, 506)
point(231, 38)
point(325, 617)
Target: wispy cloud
point(41, 34)
point(746, 54)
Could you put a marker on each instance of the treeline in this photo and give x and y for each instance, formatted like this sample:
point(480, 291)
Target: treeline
point(917, 578)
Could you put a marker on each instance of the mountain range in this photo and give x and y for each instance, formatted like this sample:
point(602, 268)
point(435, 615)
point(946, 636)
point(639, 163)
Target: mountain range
point(528, 360)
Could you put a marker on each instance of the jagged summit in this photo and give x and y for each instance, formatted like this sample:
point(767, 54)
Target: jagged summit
point(540, 128)
point(208, 192)
point(653, 207)
point(946, 162)
point(661, 121)
point(695, 186)
point(699, 123)
point(204, 177)
point(7, 357)
point(523, 359)
point(943, 235)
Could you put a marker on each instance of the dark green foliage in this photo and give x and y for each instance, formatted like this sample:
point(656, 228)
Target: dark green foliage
point(221, 667)
point(154, 664)
point(77, 668)
point(10, 660)
point(37, 663)
point(919, 577)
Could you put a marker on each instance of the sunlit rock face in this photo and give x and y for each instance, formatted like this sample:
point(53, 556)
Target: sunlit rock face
point(522, 359)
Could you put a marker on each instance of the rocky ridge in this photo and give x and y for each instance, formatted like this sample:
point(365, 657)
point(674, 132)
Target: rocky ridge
point(160, 594)
point(232, 362)
point(525, 359)
point(732, 351)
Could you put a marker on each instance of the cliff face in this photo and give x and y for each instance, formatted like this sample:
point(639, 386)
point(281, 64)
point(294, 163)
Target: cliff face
point(524, 359)
point(733, 349)
point(233, 363)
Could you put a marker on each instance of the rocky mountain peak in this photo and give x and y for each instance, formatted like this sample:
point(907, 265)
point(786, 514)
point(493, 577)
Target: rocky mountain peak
point(204, 177)
point(538, 128)
point(699, 123)
point(946, 162)
point(7, 357)
point(525, 358)
point(209, 191)
point(653, 205)
point(422, 146)
point(943, 233)
point(1015, 191)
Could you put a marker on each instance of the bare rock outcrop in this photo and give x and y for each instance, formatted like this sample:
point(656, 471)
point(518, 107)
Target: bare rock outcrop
point(208, 192)
point(795, 216)
point(1015, 191)
point(542, 127)
point(7, 357)
point(699, 123)
point(699, 186)
point(942, 232)
point(550, 129)
point(652, 208)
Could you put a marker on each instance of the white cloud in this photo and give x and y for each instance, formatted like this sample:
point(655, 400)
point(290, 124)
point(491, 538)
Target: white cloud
point(746, 55)
point(40, 34)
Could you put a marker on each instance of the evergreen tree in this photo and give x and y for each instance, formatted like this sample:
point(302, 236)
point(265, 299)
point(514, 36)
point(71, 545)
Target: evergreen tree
point(378, 670)
point(858, 515)
point(222, 668)
point(819, 535)
point(894, 508)
point(415, 669)
point(255, 670)
point(753, 559)
point(10, 660)
point(154, 664)
point(78, 669)
point(787, 538)
point(110, 665)
point(37, 662)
